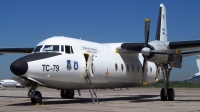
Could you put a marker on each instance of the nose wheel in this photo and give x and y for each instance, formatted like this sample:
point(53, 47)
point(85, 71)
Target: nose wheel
point(36, 96)
point(37, 99)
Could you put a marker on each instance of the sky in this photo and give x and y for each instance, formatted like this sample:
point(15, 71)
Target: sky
point(24, 23)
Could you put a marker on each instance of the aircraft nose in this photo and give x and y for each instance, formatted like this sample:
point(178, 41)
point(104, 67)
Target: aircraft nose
point(19, 67)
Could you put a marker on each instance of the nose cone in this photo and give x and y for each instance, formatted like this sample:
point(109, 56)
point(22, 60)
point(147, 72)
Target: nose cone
point(19, 67)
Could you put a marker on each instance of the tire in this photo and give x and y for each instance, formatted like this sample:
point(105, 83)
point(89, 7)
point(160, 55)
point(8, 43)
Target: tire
point(62, 94)
point(67, 94)
point(70, 94)
point(162, 95)
point(37, 100)
point(170, 94)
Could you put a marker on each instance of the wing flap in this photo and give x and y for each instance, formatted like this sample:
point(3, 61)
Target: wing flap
point(184, 54)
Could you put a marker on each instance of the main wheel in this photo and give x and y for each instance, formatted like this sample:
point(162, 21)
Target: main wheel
point(70, 94)
point(38, 99)
point(162, 95)
point(170, 94)
point(63, 94)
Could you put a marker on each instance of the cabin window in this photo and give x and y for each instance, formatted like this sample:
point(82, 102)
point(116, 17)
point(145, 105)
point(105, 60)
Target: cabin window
point(122, 67)
point(150, 70)
point(51, 48)
point(133, 68)
point(138, 69)
point(62, 48)
point(37, 49)
point(116, 67)
point(68, 49)
point(127, 67)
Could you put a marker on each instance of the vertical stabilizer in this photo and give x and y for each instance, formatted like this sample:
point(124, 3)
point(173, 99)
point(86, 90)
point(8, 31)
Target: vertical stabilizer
point(161, 32)
point(198, 62)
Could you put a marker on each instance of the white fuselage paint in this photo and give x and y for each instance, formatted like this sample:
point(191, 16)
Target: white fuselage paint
point(104, 62)
point(9, 82)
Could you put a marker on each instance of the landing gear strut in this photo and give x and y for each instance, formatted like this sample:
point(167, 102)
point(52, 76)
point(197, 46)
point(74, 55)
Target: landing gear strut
point(166, 92)
point(67, 94)
point(36, 96)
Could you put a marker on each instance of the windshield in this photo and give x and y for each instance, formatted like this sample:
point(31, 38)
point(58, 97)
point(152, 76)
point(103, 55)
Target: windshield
point(37, 49)
point(51, 48)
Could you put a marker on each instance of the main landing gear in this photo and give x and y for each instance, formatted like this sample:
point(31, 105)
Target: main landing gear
point(67, 94)
point(166, 92)
point(36, 96)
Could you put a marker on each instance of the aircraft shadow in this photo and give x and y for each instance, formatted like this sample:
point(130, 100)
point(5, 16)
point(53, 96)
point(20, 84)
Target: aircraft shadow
point(131, 99)
point(139, 98)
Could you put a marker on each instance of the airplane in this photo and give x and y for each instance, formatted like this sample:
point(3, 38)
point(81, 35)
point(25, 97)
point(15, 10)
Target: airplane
point(196, 77)
point(9, 83)
point(69, 64)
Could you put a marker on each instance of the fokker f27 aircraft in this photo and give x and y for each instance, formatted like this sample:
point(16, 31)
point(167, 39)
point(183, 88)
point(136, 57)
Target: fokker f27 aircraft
point(69, 64)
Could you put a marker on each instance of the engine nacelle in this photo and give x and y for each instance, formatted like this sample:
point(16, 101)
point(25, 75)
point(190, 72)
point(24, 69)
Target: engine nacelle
point(159, 58)
point(173, 60)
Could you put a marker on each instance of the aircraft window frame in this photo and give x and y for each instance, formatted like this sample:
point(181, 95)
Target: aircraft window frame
point(62, 48)
point(138, 69)
point(122, 67)
point(133, 69)
point(69, 49)
point(116, 67)
point(37, 48)
point(56, 48)
point(150, 70)
point(127, 68)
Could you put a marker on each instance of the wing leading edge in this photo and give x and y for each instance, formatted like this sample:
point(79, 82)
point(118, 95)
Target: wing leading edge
point(187, 48)
point(16, 50)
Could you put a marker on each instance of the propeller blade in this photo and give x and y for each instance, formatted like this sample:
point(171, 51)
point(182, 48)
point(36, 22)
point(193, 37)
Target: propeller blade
point(144, 62)
point(146, 33)
point(144, 75)
point(165, 51)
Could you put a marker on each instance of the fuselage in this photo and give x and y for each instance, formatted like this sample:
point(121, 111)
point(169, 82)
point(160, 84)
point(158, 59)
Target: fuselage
point(195, 79)
point(60, 63)
point(9, 82)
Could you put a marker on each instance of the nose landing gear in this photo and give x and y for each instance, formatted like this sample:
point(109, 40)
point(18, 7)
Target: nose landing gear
point(36, 96)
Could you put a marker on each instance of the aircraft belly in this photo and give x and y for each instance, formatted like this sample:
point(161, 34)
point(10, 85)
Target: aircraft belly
point(83, 85)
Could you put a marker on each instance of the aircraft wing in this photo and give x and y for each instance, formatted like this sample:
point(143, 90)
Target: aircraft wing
point(16, 50)
point(187, 48)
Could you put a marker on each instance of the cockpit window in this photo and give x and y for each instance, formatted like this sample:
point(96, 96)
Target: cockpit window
point(68, 49)
point(37, 49)
point(51, 48)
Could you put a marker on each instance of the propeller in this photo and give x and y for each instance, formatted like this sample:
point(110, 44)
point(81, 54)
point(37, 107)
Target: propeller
point(146, 50)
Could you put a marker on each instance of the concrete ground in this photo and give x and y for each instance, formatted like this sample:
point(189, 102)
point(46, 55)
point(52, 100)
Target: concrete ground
point(132, 100)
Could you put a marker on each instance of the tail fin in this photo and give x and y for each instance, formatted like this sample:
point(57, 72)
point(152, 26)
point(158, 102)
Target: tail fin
point(198, 62)
point(161, 32)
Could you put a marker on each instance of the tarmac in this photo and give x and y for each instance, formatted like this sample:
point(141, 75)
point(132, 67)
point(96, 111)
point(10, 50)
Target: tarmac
point(132, 100)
